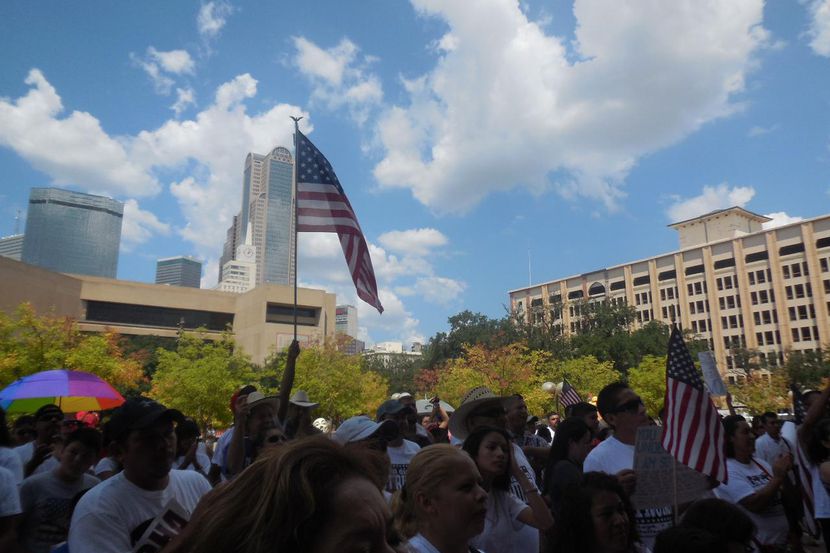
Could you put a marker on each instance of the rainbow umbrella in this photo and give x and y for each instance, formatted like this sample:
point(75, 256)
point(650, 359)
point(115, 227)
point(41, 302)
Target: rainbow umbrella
point(72, 391)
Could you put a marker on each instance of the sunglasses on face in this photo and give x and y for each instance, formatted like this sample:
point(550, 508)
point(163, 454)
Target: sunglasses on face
point(630, 406)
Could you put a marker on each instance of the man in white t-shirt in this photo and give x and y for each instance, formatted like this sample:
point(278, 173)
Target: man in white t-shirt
point(36, 456)
point(114, 516)
point(625, 412)
point(399, 450)
point(772, 444)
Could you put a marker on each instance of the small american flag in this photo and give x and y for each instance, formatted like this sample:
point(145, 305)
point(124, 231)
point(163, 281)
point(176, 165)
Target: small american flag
point(568, 396)
point(322, 206)
point(693, 432)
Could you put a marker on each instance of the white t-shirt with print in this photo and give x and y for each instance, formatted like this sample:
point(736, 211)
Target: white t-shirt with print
point(112, 516)
point(611, 456)
point(501, 526)
point(11, 460)
point(527, 537)
point(9, 496)
point(745, 480)
point(400, 458)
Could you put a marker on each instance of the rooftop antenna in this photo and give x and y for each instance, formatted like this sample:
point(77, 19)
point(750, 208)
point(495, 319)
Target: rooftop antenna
point(17, 222)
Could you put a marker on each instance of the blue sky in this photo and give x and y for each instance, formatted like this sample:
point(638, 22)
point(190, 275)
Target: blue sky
point(468, 140)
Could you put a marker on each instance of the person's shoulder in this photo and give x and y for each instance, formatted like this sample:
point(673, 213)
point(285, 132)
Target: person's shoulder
point(411, 446)
point(189, 479)
point(89, 480)
point(37, 480)
point(6, 478)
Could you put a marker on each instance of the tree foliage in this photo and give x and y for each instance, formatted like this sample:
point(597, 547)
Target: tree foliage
point(763, 392)
point(199, 377)
point(398, 369)
point(648, 379)
point(31, 343)
point(337, 381)
point(808, 368)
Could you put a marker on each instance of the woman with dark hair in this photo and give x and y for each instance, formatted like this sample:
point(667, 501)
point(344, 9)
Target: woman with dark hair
point(564, 465)
point(753, 485)
point(309, 495)
point(596, 517)
point(722, 519)
point(8, 457)
point(506, 514)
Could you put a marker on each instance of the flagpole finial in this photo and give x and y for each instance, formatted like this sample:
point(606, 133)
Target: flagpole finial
point(296, 121)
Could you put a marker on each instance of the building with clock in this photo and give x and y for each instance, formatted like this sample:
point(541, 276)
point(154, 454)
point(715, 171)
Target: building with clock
point(239, 273)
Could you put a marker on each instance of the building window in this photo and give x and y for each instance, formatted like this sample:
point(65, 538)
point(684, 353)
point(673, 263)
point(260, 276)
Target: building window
point(640, 280)
point(823, 263)
point(757, 256)
point(723, 263)
point(786, 271)
point(791, 249)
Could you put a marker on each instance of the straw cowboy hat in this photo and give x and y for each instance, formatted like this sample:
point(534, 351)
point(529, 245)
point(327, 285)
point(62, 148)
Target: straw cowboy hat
point(301, 399)
point(472, 400)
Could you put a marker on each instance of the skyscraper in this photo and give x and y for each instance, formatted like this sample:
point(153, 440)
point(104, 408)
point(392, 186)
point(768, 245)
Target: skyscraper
point(267, 211)
point(12, 246)
point(179, 271)
point(72, 232)
point(229, 248)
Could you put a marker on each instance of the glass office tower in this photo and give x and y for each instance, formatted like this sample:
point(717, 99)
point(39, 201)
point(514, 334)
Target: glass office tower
point(72, 232)
point(179, 271)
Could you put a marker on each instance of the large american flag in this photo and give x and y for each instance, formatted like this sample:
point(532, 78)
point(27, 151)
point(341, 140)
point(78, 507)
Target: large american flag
point(569, 396)
point(692, 429)
point(322, 206)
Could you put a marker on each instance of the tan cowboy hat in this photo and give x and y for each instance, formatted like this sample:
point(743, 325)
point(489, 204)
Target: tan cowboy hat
point(301, 399)
point(472, 400)
point(256, 398)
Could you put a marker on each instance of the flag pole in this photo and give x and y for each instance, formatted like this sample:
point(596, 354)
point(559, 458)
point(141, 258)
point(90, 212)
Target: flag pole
point(296, 255)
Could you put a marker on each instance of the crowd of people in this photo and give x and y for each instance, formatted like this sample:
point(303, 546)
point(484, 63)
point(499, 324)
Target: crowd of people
point(487, 477)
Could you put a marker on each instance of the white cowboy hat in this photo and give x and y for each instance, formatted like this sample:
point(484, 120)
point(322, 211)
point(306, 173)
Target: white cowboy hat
point(301, 399)
point(475, 398)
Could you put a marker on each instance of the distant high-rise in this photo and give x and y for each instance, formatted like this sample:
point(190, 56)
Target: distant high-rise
point(345, 321)
point(267, 210)
point(232, 240)
point(72, 232)
point(179, 271)
point(239, 272)
point(12, 246)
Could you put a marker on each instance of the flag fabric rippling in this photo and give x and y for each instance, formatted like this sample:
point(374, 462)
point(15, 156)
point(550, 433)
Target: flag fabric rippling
point(569, 395)
point(322, 206)
point(692, 429)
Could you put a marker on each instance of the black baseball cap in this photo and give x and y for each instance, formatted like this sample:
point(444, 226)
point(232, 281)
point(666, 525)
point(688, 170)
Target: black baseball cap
point(138, 413)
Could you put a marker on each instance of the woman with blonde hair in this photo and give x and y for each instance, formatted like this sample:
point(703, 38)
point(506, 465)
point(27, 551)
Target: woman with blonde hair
point(441, 508)
point(309, 495)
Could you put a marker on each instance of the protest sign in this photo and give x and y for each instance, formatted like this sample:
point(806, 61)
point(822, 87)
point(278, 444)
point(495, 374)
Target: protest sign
point(657, 472)
point(711, 375)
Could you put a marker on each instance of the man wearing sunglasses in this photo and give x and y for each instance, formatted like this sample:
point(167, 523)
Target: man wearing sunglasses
point(36, 457)
point(624, 411)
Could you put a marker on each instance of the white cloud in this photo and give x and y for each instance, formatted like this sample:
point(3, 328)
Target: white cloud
point(212, 17)
point(440, 290)
point(757, 131)
point(781, 218)
point(161, 82)
point(140, 225)
point(339, 76)
point(174, 61)
point(414, 241)
point(184, 97)
point(72, 150)
point(504, 106)
point(210, 273)
point(712, 198)
point(819, 30)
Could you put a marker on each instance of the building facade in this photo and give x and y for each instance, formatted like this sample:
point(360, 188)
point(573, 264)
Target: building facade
point(179, 271)
point(12, 246)
point(229, 247)
point(261, 319)
point(346, 320)
point(239, 274)
point(267, 213)
point(732, 283)
point(72, 232)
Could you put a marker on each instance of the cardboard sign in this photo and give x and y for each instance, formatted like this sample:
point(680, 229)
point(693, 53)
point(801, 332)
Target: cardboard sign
point(165, 527)
point(711, 375)
point(656, 470)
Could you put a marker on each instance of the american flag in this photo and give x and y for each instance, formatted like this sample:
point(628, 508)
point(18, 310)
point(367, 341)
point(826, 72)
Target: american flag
point(322, 206)
point(568, 396)
point(693, 432)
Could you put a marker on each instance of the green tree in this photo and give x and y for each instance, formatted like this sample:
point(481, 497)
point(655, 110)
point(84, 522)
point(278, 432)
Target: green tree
point(761, 392)
point(31, 343)
point(586, 374)
point(648, 379)
point(467, 329)
point(808, 368)
point(398, 370)
point(199, 376)
point(337, 381)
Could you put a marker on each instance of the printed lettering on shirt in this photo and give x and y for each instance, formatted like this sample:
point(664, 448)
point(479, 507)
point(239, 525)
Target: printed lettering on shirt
point(397, 477)
point(161, 529)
